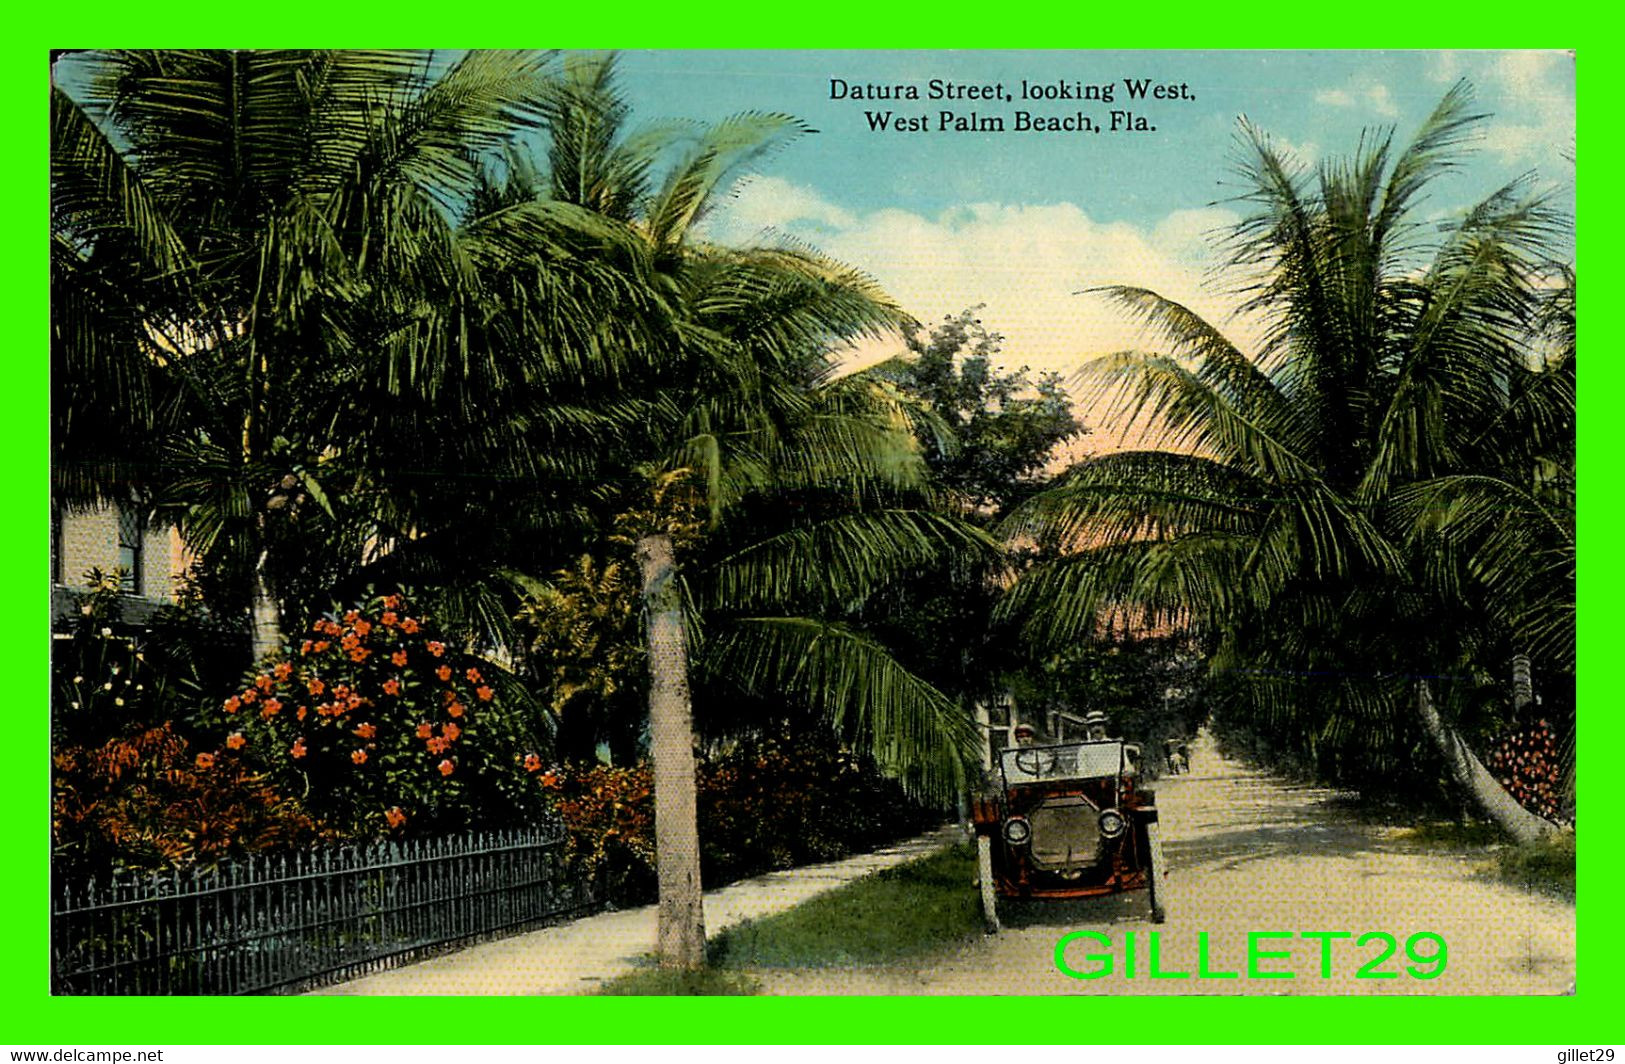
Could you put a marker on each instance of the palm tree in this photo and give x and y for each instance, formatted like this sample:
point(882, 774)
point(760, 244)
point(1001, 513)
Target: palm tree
point(1301, 494)
point(748, 419)
point(353, 310)
point(280, 286)
point(1503, 535)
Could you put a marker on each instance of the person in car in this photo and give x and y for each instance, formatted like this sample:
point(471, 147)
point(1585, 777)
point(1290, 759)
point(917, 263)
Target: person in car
point(1095, 729)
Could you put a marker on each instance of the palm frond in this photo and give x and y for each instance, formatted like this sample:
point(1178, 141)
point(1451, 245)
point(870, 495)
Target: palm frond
point(724, 151)
point(1195, 416)
point(1430, 154)
point(1217, 363)
point(1465, 345)
point(591, 161)
point(912, 730)
point(97, 196)
point(1519, 549)
point(838, 562)
point(1130, 495)
point(1194, 580)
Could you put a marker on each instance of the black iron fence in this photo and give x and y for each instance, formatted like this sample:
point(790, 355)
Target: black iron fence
point(270, 924)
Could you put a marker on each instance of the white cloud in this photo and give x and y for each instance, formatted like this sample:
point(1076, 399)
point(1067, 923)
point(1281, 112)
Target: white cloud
point(1516, 143)
point(1027, 264)
point(1445, 67)
point(1189, 236)
point(1372, 94)
point(1307, 152)
point(1522, 74)
point(1544, 83)
point(1531, 95)
point(764, 203)
point(1534, 74)
point(1381, 100)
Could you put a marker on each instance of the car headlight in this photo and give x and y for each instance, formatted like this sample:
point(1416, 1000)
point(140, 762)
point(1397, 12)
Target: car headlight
point(1112, 824)
point(1017, 831)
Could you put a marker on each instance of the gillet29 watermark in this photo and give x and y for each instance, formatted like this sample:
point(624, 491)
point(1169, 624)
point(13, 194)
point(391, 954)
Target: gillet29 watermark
point(1267, 955)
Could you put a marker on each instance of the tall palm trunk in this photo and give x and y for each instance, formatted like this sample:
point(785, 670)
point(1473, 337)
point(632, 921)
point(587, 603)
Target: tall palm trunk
point(267, 627)
point(264, 621)
point(1475, 779)
point(264, 625)
point(681, 938)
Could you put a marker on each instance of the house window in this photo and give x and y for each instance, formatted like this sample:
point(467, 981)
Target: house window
point(129, 548)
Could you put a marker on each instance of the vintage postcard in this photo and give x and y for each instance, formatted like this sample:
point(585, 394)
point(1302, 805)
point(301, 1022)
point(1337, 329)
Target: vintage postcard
point(813, 523)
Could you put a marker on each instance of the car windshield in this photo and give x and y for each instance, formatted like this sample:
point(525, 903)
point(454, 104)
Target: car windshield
point(1033, 764)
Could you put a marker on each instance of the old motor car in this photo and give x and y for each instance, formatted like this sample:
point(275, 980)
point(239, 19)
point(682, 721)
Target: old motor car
point(1067, 820)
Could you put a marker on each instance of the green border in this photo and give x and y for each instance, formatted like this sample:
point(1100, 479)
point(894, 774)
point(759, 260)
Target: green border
point(36, 1018)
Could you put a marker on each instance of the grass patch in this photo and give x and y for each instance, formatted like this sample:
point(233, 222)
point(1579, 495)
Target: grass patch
point(1547, 865)
point(668, 982)
point(1455, 835)
point(901, 912)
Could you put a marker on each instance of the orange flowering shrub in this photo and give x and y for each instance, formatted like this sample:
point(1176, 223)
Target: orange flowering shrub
point(609, 813)
point(376, 723)
point(135, 784)
point(147, 801)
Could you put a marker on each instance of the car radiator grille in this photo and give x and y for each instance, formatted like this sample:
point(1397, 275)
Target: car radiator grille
point(1066, 834)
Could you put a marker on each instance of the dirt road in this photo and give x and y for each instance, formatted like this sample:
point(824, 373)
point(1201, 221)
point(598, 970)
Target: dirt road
point(1248, 854)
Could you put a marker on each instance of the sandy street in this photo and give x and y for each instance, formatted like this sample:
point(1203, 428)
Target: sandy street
point(1248, 854)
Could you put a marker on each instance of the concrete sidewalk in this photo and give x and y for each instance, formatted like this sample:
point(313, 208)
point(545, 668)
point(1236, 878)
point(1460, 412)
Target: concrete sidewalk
point(574, 958)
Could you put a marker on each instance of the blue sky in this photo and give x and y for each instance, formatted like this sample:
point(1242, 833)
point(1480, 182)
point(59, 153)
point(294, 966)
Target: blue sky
point(1021, 222)
point(1315, 101)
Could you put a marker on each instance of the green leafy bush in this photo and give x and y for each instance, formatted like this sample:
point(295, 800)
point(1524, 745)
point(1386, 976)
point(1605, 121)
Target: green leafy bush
point(609, 814)
point(1548, 864)
point(779, 803)
point(764, 804)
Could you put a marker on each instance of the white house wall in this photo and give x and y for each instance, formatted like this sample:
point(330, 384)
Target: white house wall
point(90, 540)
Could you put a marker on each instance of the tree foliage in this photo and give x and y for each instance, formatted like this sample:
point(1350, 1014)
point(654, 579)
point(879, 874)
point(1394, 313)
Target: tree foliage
point(990, 436)
point(285, 290)
point(1324, 504)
